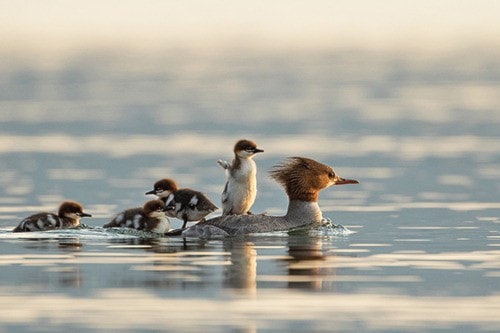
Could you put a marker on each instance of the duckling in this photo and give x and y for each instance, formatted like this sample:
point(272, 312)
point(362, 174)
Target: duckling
point(151, 217)
point(185, 204)
point(241, 184)
point(68, 216)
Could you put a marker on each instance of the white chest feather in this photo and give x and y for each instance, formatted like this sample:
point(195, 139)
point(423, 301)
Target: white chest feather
point(246, 172)
point(162, 226)
point(241, 188)
point(243, 181)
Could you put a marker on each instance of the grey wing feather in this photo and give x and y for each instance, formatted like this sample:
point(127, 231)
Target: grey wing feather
point(225, 195)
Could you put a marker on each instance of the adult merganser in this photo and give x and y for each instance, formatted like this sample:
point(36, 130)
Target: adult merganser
point(241, 185)
point(303, 179)
point(68, 216)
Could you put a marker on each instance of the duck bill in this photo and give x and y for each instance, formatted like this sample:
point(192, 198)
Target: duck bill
point(344, 181)
point(85, 215)
point(151, 192)
point(257, 150)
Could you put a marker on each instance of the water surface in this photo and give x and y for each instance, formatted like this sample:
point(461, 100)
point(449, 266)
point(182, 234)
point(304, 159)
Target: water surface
point(420, 133)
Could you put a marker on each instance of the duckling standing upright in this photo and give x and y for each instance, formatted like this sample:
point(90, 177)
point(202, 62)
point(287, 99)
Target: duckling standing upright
point(241, 185)
point(151, 217)
point(68, 216)
point(185, 204)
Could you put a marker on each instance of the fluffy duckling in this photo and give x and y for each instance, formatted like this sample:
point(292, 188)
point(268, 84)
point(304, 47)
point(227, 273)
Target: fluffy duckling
point(241, 184)
point(68, 216)
point(151, 217)
point(185, 204)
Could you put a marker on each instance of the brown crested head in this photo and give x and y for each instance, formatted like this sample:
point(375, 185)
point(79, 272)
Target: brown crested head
point(303, 178)
point(153, 206)
point(163, 185)
point(72, 209)
point(246, 146)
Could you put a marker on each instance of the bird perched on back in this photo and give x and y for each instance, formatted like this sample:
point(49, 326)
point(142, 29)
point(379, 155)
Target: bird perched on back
point(151, 217)
point(68, 216)
point(241, 184)
point(185, 204)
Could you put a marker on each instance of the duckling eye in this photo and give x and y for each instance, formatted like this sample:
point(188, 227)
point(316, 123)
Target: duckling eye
point(331, 174)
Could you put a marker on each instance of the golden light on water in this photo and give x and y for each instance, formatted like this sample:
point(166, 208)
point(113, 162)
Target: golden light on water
point(140, 309)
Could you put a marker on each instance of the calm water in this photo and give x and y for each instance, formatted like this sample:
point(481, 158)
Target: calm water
point(420, 132)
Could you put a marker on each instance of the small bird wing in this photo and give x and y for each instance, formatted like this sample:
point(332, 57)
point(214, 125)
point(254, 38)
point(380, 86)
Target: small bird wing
point(192, 199)
point(224, 164)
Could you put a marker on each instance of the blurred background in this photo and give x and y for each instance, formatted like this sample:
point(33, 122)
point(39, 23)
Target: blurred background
point(211, 25)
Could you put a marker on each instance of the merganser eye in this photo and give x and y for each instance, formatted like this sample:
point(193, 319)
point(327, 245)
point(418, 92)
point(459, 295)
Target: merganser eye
point(331, 174)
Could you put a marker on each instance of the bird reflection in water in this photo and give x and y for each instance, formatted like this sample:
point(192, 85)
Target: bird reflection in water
point(305, 268)
point(54, 270)
point(242, 273)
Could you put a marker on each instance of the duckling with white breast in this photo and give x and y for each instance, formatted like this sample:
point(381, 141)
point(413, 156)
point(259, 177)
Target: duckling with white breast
point(68, 216)
point(185, 204)
point(303, 179)
point(151, 217)
point(241, 185)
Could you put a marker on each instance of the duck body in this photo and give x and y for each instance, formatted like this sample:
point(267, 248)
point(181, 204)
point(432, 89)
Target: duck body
point(299, 214)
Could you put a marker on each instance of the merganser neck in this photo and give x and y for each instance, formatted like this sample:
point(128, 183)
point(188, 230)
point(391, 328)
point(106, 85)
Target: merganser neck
point(303, 212)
